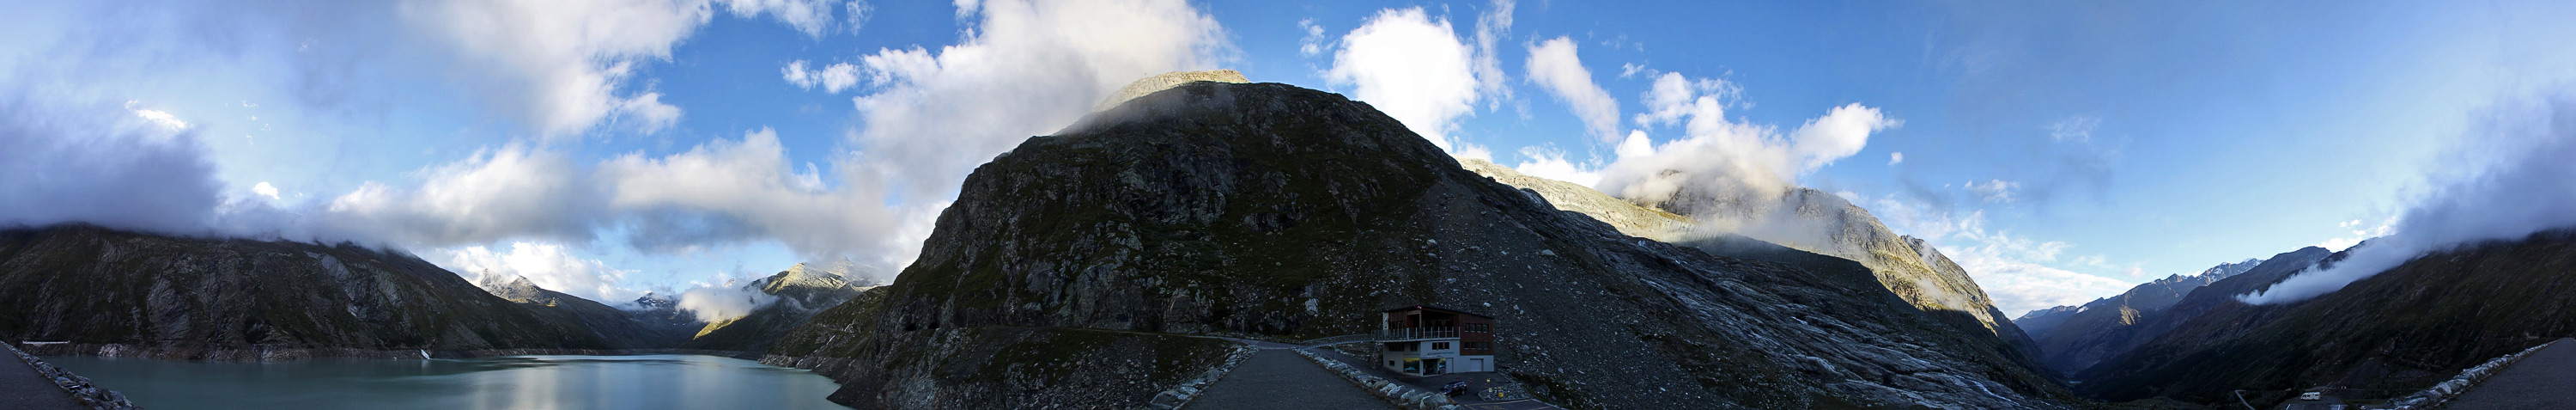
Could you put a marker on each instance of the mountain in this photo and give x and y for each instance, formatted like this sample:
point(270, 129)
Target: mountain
point(796, 294)
point(619, 328)
point(2041, 321)
point(242, 299)
point(2401, 330)
point(2086, 335)
point(1834, 231)
point(1078, 269)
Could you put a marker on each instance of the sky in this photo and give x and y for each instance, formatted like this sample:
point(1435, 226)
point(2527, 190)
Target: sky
point(607, 148)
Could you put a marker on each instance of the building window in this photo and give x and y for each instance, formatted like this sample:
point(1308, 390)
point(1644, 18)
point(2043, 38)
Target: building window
point(1439, 345)
point(1478, 345)
point(1480, 327)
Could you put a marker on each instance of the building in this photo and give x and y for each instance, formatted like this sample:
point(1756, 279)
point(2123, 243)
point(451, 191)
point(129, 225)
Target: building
point(1426, 340)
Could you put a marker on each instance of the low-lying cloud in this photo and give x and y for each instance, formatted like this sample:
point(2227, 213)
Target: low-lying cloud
point(69, 160)
point(2523, 189)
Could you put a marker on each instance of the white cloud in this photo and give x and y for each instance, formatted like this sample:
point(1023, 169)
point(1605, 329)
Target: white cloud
point(547, 265)
point(1628, 70)
point(1997, 191)
point(1552, 164)
point(814, 17)
point(2359, 233)
point(1491, 27)
point(264, 189)
point(2513, 182)
point(1314, 42)
point(563, 66)
point(157, 117)
point(1725, 161)
point(724, 299)
point(67, 160)
point(1894, 158)
point(512, 192)
point(2077, 129)
point(1413, 68)
point(1554, 65)
point(2009, 268)
point(837, 77)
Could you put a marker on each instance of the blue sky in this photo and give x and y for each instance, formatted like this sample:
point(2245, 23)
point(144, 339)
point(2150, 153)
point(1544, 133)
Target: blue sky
point(2061, 151)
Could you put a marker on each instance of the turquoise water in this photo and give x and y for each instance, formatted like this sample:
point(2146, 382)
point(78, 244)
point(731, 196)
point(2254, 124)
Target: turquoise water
point(515, 382)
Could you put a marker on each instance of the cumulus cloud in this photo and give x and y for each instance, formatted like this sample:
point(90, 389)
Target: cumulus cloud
point(1412, 67)
point(547, 265)
point(2521, 188)
point(1491, 27)
point(564, 66)
point(69, 160)
point(1552, 164)
point(814, 17)
point(1894, 158)
point(837, 77)
point(1723, 161)
point(1554, 66)
point(497, 194)
point(264, 189)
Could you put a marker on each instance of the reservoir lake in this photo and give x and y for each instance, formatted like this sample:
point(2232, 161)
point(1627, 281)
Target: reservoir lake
point(511, 382)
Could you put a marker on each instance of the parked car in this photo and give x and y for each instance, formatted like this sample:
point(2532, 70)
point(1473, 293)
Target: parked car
point(2312, 396)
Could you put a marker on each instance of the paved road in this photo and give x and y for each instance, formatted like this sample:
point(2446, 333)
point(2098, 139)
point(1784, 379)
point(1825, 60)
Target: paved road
point(2539, 381)
point(21, 388)
point(1280, 379)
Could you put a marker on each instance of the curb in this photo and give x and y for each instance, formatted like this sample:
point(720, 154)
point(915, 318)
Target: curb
point(88, 394)
point(2441, 394)
point(1400, 395)
point(1176, 397)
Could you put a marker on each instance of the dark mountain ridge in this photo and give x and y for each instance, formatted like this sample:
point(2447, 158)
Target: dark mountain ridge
point(1077, 267)
point(242, 299)
point(2400, 330)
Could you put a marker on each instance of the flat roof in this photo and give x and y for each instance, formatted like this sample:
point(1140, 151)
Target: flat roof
point(1430, 307)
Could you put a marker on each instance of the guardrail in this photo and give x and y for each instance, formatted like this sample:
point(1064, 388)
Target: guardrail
point(1409, 333)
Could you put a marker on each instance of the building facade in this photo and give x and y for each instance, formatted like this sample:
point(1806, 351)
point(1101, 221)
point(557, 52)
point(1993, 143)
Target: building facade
point(1426, 340)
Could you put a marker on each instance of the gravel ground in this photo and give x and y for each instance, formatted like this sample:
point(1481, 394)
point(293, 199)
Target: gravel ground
point(1279, 379)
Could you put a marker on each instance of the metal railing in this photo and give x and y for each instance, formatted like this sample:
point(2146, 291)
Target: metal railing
point(1409, 333)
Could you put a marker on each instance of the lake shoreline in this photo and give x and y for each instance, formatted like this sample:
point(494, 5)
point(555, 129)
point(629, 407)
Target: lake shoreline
point(260, 353)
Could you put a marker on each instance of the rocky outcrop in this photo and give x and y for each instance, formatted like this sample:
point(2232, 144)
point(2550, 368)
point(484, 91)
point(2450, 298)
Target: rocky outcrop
point(1166, 81)
point(80, 388)
point(2085, 335)
point(1803, 227)
point(1273, 211)
point(796, 295)
point(2406, 328)
point(189, 296)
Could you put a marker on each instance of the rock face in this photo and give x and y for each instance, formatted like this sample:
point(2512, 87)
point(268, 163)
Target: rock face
point(798, 294)
point(1796, 229)
point(1274, 211)
point(2399, 331)
point(2085, 335)
point(197, 298)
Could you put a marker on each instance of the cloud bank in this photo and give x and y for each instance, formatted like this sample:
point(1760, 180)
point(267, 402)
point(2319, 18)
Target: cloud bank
point(2523, 189)
point(72, 161)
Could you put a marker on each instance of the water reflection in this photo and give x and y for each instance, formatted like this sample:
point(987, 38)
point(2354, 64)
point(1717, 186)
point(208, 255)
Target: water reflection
point(517, 382)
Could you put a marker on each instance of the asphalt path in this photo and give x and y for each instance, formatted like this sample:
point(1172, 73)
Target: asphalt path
point(2539, 381)
point(22, 388)
point(1280, 379)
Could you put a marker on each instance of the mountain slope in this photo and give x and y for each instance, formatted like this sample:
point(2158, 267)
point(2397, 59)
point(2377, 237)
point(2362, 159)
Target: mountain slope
point(2401, 330)
point(618, 328)
point(1275, 211)
point(1832, 227)
point(799, 294)
point(2089, 334)
point(219, 298)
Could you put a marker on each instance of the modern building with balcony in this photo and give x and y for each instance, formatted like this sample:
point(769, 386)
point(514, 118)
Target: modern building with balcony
point(1426, 340)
